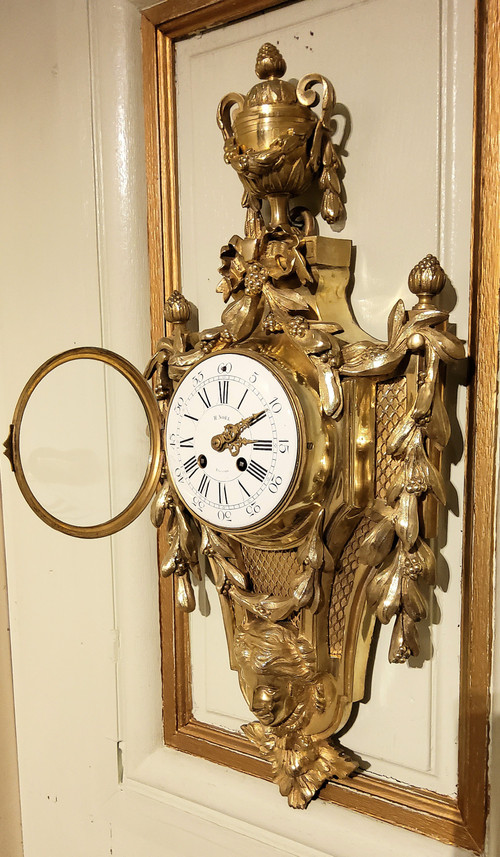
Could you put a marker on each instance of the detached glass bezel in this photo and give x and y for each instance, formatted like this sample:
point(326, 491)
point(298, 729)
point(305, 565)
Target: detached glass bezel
point(153, 469)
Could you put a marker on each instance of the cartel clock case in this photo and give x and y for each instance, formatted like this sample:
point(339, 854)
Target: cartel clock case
point(299, 458)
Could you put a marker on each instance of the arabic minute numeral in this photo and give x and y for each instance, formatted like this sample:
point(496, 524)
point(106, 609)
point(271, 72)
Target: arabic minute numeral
point(275, 406)
point(275, 484)
point(253, 509)
point(284, 446)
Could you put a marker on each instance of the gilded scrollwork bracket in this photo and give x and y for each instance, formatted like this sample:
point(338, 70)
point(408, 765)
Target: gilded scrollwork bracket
point(300, 609)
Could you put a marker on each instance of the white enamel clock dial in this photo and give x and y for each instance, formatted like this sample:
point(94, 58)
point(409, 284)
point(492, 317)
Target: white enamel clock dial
point(232, 440)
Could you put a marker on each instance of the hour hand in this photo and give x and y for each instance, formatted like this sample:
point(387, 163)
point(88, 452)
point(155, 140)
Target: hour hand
point(236, 445)
point(230, 437)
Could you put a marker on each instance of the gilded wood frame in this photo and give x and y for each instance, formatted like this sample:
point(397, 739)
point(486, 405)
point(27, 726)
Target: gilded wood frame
point(459, 821)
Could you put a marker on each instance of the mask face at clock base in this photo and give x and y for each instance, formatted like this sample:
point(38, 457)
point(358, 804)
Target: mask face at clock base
point(275, 665)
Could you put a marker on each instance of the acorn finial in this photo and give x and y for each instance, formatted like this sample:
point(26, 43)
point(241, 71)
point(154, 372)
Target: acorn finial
point(177, 309)
point(426, 279)
point(269, 62)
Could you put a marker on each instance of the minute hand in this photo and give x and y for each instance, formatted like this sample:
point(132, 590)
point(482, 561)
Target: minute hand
point(249, 421)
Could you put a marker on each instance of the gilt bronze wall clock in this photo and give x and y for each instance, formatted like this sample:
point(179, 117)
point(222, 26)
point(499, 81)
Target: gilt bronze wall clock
point(291, 453)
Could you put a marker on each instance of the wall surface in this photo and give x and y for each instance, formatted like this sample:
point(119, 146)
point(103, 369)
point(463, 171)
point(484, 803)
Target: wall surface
point(10, 814)
point(95, 778)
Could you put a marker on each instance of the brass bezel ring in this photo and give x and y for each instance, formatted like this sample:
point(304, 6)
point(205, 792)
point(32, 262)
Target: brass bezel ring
point(153, 471)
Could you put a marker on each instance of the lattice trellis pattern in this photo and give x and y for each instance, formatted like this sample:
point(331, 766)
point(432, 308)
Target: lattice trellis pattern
point(271, 572)
point(342, 586)
point(391, 407)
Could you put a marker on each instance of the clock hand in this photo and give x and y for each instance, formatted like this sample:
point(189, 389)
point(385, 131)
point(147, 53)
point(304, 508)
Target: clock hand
point(230, 437)
point(236, 445)
point(221, 441)
point(249, 421)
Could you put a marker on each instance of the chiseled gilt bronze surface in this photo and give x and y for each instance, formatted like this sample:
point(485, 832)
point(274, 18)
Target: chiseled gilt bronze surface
point(329, 528)
point(300, 595)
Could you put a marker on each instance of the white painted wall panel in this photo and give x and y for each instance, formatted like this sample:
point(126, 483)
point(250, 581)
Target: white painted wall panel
point(61, 602)
point(74, 271)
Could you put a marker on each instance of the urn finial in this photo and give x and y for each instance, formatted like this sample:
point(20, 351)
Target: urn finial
point(279, 145)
